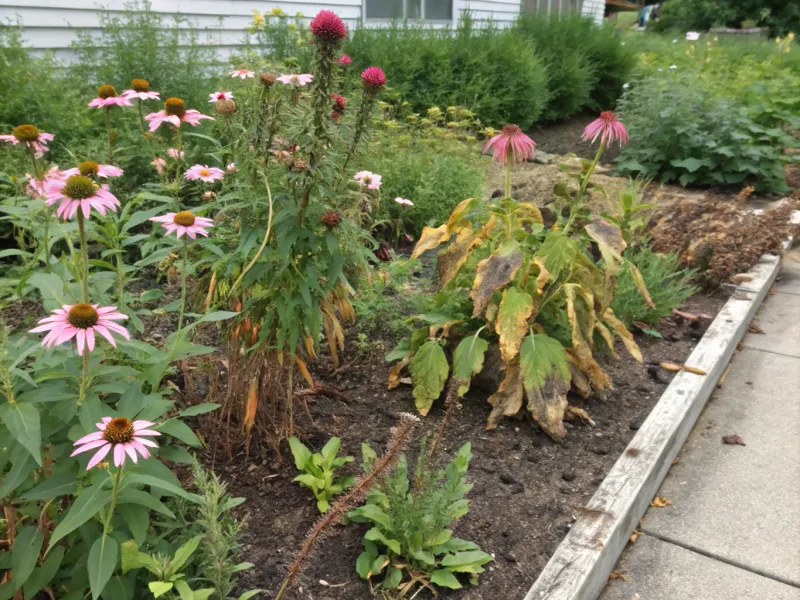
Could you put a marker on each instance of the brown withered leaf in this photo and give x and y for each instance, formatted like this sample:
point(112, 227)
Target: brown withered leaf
point(659, 502)
point(669, 366)
point(573, 413)
point(580, 382)
point(548, 404)
point(606, 334)
point(456, 222)
point(432, 237)
point(493, 273)
point(694, 370)
point(512, 321)
point(733, 440)
point(753, 328)
point(627, 338)
point(453, 258)
point(617, 575)
point(529, 212)
point(609, 240)
point(580, 352)
point(507, 400)
point(301, 366)
point(635, 536)
point(394, 372)
point(544, 275)
point(638, 280)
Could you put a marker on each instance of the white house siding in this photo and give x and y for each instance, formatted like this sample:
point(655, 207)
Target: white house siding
point(52, 24)
point(595, 9)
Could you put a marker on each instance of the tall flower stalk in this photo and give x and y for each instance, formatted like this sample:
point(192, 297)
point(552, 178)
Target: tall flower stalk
point(373, 80)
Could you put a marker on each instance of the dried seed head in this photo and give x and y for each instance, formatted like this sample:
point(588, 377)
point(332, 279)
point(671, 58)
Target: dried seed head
point(267, 79)
point(225, 106)
point(331, 219)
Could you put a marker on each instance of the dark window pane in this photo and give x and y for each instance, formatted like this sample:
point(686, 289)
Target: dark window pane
point(440, 10)
point(384, 9)
point(413, 9)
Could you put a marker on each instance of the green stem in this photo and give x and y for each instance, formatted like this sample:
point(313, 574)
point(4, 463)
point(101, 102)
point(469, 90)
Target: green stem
point(114, 493)
point(506, 201)
point(183, 302)
point(84, 256)
point(110, 141)
point(46, 240)
point(84, 378)
point(579, 197)
point(177, 183)
point(144, 131)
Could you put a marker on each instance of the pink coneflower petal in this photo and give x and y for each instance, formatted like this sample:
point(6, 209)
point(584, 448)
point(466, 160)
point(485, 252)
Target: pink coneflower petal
point(510, 144)
point(99, 456)
point(608, 128)
point(96, 443)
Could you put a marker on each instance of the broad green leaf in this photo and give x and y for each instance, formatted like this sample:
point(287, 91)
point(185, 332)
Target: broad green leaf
point(145, 499)
point(400, 351)
point(43, 575)
point(184, 591)
point(25, 554)
point(375, 535)
point(161, 484)
point(692, 164)
point(468, 361)
point(429, 371)
point(159, 588)
point(493, 273)
point(470, 557)
point(137, 518)
point(393, 578)
point(199, 409)
point(131, 558)
point(557, 252)
point(541, 357)
point(22, 420)
point(102, 562)
point(87, 505)
point(512, 321)
point(58, 484)
point(184, 553)
point(250, 594)
point(445, 578)
point(50, 287)
point(20, 468)
point(300, 453)
point(331, 449)
point(375, 514)
point(179, 430)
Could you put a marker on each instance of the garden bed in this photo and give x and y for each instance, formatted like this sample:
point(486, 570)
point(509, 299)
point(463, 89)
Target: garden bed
point(527, 488)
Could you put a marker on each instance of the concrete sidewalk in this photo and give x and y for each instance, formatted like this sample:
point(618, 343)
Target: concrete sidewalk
point(732, 528)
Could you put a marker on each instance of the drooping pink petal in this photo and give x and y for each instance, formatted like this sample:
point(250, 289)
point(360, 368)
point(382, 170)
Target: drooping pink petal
point(119, 455)
point(100, 455)
point(89, 446)
point(91, 437)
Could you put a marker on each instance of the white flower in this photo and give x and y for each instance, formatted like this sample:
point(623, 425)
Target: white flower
point(673, 66)
point(675, 41)
point(625, 86)
point(404, 201)
point(660, 69)
point(692, 36)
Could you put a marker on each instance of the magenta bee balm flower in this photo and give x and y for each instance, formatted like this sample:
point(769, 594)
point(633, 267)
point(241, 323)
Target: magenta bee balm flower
point(184, 222)
point(107, 96)
point(174, 113)
point(328, 27)
point(79, 192)
point(511, 143)
point(374, 78)
point(345, 60)
point(124, 436)
point(81, 321)
point(30, 136)
point(607, 128)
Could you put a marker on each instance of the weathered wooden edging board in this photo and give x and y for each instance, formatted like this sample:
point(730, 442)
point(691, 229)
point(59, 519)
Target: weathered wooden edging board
point(580, 567)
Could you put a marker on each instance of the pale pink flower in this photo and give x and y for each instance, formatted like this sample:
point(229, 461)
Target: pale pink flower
point(608, 128)
point(31, 137)
point(160, 164)
point(81, 321)
point(174, 153)
point(231, 168)
point(173, 113)
point(92, 169)
point(184, 222)
point(79, 192)
point(511, 143)
point(124, 436)
point(296, 80)
point(368, 179)
point(216, 96)
point(203, 173)
point(242, 74)
point(404, 201)
point(131, 94)
point(107, 96)
point(37, 187)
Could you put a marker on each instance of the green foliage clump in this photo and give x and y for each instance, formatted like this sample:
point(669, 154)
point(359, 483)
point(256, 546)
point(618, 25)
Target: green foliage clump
point(410, 542)
point(778, 16)
point(586, 65)
point(318, 470)
point(668, 283)
point(494, 72)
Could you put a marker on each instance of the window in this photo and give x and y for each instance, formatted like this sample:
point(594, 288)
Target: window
point(429, 10)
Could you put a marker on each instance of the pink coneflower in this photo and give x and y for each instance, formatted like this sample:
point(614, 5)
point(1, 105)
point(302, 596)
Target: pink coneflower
point(231, 168)
point(140, 88)
point(107, 96)
point(374, 78)
point(204, 173)
point(119, 433)
point(30, 136)
point(89, 168)
point(242, 73)
point(328, 27)
point(78, 191)
point(174, 153)
point(510, 143)
point(38, 187)
point(608, 128)
point(81, 321)
point(216, 96)
point(174, 112)
point(184, 222)
point(404, 201)
point(368, 179)
point(160, 164)
point(296, 80)
point(345, 60)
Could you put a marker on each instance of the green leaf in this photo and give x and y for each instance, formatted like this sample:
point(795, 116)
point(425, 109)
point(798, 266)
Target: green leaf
point(692, 164)
point(375, 535)
point(445, 578)
point(88, 504)
point(159, 588)
point(43, 575)
point(393, 578)
point(300, 453)
point(25, 554)
point(375, 514)
point(468, 361)
point(50, 287)
point(184, 553)
point(142, 498)
point(179, 430)
point(184, 591)
point(331, 449)
point(540, 357)
point(400, 351)
point(199, 409)
point(248, 595)
point(59, 484)
point(22, 420)
point(131, 558)
point(163, 485)
point(20, 468)
point(137, 518)
point(429, 371)
point(102, 562)
point(558, 253)
point(512, 321)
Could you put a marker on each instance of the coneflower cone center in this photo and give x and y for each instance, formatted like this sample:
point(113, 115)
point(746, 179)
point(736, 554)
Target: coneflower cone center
point(25, 133)
point(82, 316)
point(140, 85)
point(118, 431)
point(608, 116)
point(511, 130)
point(89, 168)
point(175, 107)
point(184, 218)
point(106, 91)
point(79, 187)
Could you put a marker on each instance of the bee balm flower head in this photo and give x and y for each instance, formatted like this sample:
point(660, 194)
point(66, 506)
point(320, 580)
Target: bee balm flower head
point(328, 27)
point(607, 128)
point(512, 144)
point(81, 321)
point(124, 436)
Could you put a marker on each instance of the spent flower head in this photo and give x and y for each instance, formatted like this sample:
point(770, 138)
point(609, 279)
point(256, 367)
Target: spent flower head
point(510, 144)
point(608, 128)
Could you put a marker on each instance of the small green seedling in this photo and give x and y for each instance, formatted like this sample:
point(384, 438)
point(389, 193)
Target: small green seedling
point(318, 470)
point(168, 570)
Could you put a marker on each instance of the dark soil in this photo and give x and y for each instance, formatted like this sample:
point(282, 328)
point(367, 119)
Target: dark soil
point(564, 137)
point(527, 488)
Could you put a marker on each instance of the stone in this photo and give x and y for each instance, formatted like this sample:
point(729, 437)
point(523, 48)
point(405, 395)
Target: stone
point(568, 475)
point(508, 478)
point(658, 374)
point(601, 450)
point(542, 158)
point(517, 488)
point(635, 423)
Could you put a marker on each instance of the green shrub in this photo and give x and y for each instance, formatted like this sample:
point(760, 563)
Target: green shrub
point(586, 65)
point(433, 181)
point(493, 72)
point(682, 131)
point(778, 16)
point(669, 285)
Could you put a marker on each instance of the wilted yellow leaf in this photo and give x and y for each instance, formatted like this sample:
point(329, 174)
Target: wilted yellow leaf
point(451, 259)
point(573, 413)
point(394, 372)
point(609, 240)
point(456, 223)
point(659, 502)
point(580, 351)
point(431, 237)
point(694, 370)
point(607, 336)
point(669, 366)
point(529, 212)
point(301, 366)
point(512, 321)
point(547, 405)
point(638, 280)
point(507, 400)
point(493, 273)
point(627, 338)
